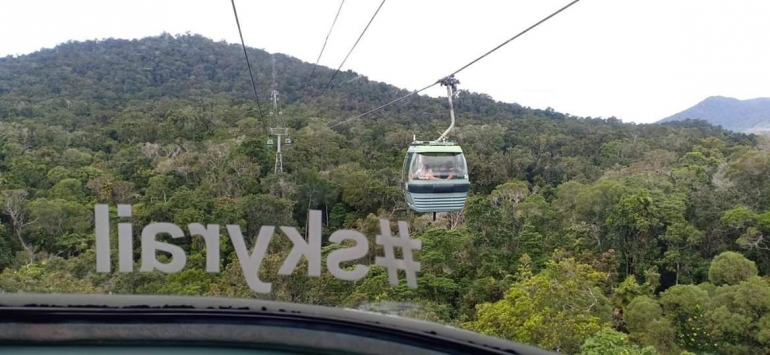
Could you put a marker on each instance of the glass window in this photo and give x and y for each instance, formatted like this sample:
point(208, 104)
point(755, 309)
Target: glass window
point(405, 170)
point(439, 166)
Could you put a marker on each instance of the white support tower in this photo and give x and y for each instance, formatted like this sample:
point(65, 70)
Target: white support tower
point(279, 131)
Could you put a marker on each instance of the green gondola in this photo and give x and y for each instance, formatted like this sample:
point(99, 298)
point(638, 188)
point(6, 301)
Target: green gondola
point(435, 177)
point(435, 173)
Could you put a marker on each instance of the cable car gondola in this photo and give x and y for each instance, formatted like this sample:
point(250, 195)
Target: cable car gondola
point(435, 173)
point(435, 177)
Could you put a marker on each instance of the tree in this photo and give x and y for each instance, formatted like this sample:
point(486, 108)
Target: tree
point(737, 317)
point(557, 309)
point(731, 268)
point(611, 342)
point(686, 307)
point(647, 325)
point(60, 225)
point(39, 278)
point(633, 225)
point(13, 207)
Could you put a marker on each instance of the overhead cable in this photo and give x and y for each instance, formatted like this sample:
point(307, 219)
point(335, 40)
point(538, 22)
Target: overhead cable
point(385, 105)
point(459, 70)
point(324, 46)
point(351, 49)
point(512, 38)
point(253, 83)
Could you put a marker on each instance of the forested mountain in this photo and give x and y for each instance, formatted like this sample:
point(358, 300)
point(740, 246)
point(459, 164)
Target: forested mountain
point(582, 235)
point(733, 114)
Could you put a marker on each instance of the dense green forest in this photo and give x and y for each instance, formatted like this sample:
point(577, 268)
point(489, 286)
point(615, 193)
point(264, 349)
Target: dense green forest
point(581, 235)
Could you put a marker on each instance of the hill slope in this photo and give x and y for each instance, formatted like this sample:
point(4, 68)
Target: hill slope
point(733, 114)
point(111, 72)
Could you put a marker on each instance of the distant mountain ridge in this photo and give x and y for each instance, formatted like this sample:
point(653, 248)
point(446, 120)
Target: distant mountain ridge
point(746, 116)
point(106, 75)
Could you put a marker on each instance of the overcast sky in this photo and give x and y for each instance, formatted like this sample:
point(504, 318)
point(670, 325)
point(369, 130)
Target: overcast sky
point(638, 60)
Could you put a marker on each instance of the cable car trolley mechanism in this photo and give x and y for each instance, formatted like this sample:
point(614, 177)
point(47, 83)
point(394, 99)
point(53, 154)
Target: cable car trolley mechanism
point(435, 173)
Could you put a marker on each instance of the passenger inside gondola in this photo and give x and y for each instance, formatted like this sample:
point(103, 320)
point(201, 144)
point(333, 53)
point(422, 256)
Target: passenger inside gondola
point(447, 171)
point(442, 172)
point(424, 173)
